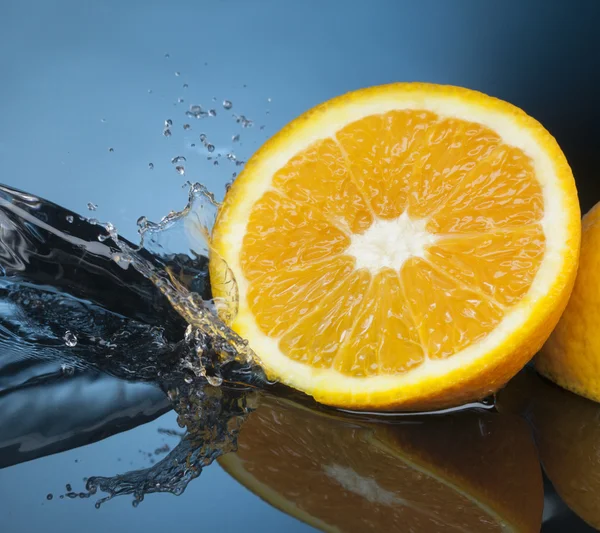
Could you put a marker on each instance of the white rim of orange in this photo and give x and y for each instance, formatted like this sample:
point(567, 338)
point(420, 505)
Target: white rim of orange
point(560, 223)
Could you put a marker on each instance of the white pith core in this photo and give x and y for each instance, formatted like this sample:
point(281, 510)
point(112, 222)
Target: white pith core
point(390, 243)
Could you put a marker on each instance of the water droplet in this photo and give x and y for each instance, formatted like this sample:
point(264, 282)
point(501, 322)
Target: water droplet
point(235, 138)
point(168, 123)
point(215, 163)
point(196, 111)
point(180, 169)
point(234, 175)
point(193, 145)
point(167, 132)
point(212, 113)
point(68, 487)
point(103, 120)
point(244, 121)
point(210, 147)
point(203, 137)
point(177, 73)
point(180, 100)
point(227, 104)
point(49, 496)
point(151, 166)
point(269, 100)
point(149, 91)
point(186, 126)
point(102, 238)
point(178, 159)
point(70, 339)
point(185, 85)
point(262, 128)
point(111, 150)
point(91, 206)
point(215, 381)
point(167, 56)
point(69, 219)
point(231, 156)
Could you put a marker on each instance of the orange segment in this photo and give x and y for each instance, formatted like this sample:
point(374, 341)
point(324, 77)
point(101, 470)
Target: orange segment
point(453, 149)
point(449, 316)
point(385, 339)
point(280, 298)
point(502, 191)
point(502, 265)
point(316, 338)
point(382, 151)
point(335, 194)
point(284, 234)
point(453, 222)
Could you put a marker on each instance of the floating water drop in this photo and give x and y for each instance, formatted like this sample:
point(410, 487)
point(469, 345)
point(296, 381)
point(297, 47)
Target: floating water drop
point(168, 123)
point(49, 496)
point(234, 175)
point(68, 487)
point(196, 111)
point(185, 85)
point(103, 120)
point(186, 126)
point(215, 381)
point(227, 104)
point(91, 206)
point(178, 159)
point(167, 132)
point(262, 128)
point(142, 222)
point(167, 56)
point(203, 137)
point(235, 138)
point(177, 73)
point(269, 100)
point(193, 145)
point(180, 169)
point(212, 113)
point(111, 150)
point(151, 166)
point(210, 147)
point(231, 156)
point(215, 163)
point(180, 100)
point(69, 219)
point(70, 339)
point(244, 121)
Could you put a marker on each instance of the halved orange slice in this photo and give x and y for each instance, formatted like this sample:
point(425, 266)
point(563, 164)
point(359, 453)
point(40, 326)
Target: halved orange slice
point(405, 246)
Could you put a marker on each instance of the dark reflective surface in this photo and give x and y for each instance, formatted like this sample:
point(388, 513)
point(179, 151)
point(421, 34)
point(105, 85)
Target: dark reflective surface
point(66, 67)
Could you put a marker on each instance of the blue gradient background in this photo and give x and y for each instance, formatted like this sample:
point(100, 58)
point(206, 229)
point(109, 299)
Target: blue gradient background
point(67, 64)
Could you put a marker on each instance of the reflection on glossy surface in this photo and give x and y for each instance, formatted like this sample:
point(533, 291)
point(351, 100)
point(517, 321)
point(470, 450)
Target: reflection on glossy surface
point(470, 471)
point(567, 433)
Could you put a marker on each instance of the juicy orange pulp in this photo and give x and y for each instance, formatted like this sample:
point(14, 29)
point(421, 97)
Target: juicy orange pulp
point(474, 243)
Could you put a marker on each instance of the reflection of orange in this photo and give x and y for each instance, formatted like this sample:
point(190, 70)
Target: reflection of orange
point(567, 432)
point(467, 472)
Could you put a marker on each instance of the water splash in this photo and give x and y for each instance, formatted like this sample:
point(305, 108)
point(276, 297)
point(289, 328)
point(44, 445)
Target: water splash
point(212, 417)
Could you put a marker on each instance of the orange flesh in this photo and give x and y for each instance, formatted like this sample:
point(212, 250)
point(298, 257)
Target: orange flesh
point(479, 198)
